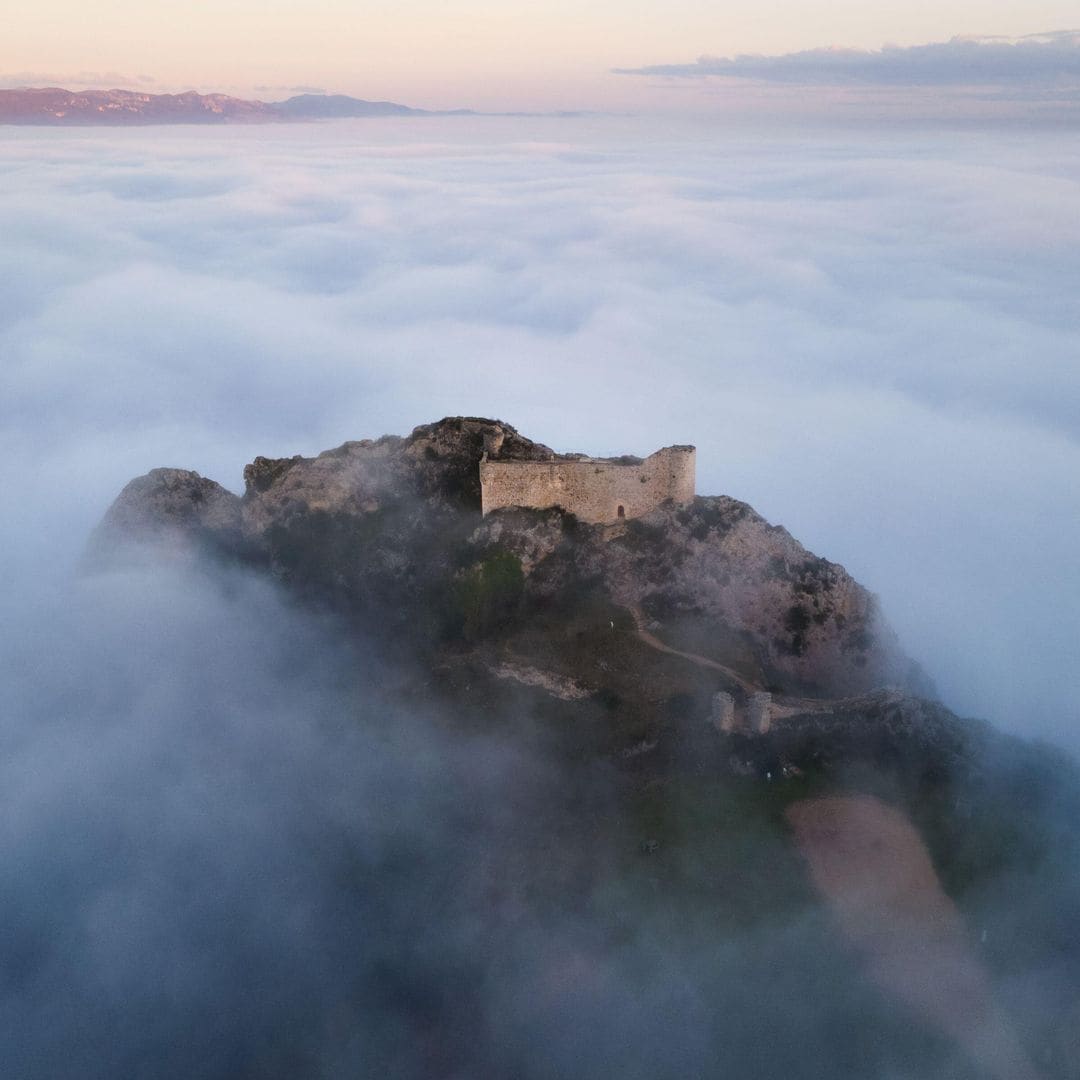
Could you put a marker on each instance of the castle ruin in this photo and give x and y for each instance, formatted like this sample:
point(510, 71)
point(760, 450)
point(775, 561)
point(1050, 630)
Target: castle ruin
point(596, 490)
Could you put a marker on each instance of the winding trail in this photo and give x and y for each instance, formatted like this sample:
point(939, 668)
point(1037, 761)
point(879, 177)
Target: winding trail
point(782, 706)
point(702, 661)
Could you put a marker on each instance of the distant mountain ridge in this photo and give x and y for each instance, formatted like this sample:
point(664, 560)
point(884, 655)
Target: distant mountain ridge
point(55, 106)
point(332, 106)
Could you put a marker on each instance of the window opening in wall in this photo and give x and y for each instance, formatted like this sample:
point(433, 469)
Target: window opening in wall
point(622, 511)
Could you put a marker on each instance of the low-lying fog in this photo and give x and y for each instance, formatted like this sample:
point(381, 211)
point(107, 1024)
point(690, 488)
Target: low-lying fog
point(870, 337)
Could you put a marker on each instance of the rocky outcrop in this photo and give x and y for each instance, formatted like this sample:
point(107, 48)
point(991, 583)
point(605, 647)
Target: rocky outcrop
point(390, 529)
point(174, 509)
point(436, 466)
point(718, 580)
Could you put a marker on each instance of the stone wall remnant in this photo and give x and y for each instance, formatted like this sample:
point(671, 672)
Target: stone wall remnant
point(758, 712)
point(723, 712)
point(596, 490)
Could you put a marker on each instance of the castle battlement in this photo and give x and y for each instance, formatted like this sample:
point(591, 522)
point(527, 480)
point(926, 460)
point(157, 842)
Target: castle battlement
point(596, 490)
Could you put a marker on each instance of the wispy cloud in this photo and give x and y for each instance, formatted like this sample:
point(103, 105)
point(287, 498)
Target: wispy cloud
point(1050, 58)
point(264, 89)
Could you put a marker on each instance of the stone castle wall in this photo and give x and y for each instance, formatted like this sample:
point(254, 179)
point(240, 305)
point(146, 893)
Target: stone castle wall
point(594, 489)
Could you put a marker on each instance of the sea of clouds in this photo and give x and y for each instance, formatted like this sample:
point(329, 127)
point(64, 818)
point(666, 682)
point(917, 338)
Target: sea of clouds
point(871, 337)
point(224, 839)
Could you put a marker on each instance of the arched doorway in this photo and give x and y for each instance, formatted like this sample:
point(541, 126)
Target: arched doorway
point(622, 511)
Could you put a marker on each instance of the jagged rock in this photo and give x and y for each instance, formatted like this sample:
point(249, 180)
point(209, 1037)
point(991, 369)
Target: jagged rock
point(436, 467)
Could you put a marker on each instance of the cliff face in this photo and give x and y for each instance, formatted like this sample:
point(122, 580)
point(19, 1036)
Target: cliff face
point(389, 530)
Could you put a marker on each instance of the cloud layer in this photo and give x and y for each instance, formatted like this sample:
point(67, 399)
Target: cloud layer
point(1040, 59)
point(871, 340)
point(228, 850)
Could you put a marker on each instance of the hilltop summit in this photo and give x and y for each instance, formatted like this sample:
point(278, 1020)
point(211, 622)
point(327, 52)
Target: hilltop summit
point(648, 616)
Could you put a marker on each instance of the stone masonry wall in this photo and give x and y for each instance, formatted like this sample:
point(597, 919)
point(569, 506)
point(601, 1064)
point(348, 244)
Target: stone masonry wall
point(594, 489)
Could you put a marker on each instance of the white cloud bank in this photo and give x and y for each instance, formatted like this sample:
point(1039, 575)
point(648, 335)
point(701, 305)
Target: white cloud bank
point(872, 340)
point(1050, 58)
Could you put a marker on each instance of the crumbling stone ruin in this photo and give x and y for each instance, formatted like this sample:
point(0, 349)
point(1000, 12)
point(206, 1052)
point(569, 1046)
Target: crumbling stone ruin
point(723, 712)
point(756, 718)
point(597, 490)
point(758, 712)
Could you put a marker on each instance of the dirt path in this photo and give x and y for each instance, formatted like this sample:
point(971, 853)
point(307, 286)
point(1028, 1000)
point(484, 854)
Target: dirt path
point(703, 661)
point(781, 707)
point(872, 867)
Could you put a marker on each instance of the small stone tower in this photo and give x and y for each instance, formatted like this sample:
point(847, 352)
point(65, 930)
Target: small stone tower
point(723, 712)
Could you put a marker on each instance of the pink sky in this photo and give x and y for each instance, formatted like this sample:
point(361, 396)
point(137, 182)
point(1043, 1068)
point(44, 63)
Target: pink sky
point(483, 54)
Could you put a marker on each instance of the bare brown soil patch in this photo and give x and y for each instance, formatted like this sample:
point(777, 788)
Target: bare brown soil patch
point(871, 865)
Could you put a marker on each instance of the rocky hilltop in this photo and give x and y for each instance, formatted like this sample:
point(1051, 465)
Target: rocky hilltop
point(645, 619)
point(722, 735)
